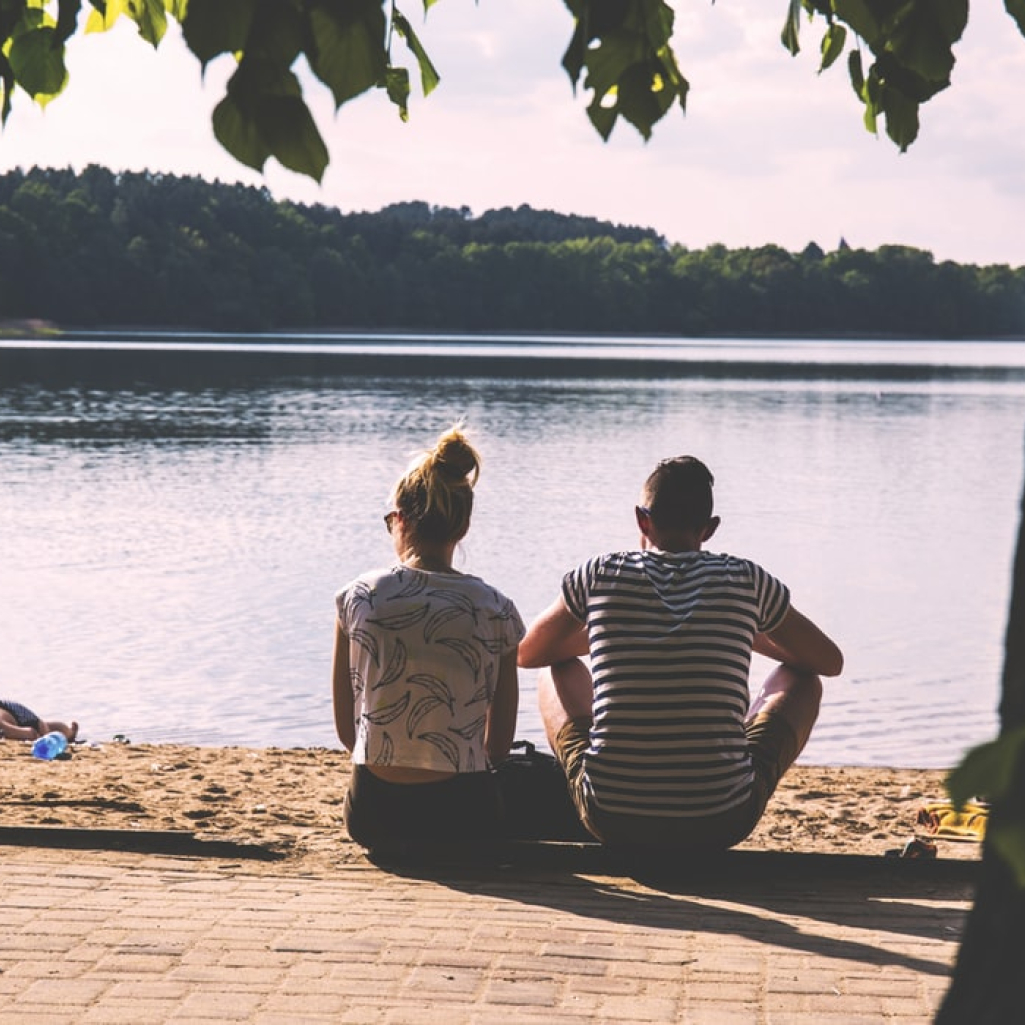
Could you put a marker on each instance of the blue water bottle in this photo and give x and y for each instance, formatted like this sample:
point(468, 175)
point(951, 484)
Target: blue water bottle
point(50, 745)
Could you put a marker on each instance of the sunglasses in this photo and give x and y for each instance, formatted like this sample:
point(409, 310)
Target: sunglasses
point(389, 519)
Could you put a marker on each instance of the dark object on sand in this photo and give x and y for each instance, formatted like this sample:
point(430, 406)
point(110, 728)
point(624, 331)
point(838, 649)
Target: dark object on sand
point(537, 802)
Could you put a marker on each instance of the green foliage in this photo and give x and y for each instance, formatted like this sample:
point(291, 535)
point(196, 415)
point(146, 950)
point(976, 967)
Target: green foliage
point(996, 771)
point(345, 43)
point(1016, 9)
point(622, 48)
point(620, 51)
point(911, 43)
point(100, 248)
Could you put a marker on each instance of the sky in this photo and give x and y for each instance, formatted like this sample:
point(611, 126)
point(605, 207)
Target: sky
point(769, 151)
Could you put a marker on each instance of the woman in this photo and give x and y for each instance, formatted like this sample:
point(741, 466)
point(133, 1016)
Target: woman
point(424, 673)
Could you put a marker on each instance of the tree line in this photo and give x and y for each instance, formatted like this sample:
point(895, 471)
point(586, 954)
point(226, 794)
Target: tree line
point(103, 248)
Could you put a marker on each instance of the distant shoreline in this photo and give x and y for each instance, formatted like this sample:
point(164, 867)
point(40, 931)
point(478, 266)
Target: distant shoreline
point(187, 357)
point(34, 327)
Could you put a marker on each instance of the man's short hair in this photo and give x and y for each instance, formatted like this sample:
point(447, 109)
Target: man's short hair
point(678, 493)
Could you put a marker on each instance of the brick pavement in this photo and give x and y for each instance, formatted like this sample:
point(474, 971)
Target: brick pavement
point(109, 937)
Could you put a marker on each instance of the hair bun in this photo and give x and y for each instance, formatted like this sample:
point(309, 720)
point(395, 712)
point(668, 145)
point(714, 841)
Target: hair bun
point(456, 457)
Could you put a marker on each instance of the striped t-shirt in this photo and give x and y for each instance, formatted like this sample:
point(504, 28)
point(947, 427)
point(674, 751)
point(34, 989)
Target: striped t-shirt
point(670, 638)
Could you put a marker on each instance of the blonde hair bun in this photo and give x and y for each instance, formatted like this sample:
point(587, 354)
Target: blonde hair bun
point(436, 493)
point(455, 456)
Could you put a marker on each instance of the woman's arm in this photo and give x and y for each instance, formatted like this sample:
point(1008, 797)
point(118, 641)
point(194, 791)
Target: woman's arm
point(799, 643)
point(500, 729)
point(341, 688)
point(555, 636)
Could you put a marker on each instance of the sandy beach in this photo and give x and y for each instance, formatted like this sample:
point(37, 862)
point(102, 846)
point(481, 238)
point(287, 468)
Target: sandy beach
point(289, 801)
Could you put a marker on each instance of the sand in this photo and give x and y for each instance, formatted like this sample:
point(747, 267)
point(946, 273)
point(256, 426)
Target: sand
point(289, 801)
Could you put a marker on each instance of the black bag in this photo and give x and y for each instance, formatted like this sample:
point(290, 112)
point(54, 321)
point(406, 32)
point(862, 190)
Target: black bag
point(536, 799)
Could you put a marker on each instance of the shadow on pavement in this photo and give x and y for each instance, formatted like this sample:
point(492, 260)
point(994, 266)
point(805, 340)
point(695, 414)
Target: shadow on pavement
point(138, 841)
point(850, 907)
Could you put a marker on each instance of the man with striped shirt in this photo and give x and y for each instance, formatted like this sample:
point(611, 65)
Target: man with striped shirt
point(661, 743)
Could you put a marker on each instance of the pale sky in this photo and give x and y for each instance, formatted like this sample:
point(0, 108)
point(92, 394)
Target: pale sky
point(768, 152)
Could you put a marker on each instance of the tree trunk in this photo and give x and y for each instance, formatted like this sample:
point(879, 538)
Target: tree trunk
point(989, 977)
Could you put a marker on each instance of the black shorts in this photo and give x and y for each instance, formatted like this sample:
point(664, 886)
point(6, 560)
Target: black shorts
point(23, 716)
point(462, 814)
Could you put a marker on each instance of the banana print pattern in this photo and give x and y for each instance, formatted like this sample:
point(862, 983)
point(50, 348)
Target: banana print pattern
point(424, 652)
point(396, 666)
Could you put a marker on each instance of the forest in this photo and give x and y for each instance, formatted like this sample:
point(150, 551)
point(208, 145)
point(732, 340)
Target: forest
point(101, 248)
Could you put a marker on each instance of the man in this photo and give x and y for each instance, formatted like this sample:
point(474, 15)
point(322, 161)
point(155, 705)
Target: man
point(663, 747)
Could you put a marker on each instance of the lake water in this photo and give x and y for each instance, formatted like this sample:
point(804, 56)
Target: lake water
point(177, 511)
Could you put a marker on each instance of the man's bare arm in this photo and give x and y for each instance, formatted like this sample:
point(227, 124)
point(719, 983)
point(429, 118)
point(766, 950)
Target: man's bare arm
point(799, 643)
point(555, 636)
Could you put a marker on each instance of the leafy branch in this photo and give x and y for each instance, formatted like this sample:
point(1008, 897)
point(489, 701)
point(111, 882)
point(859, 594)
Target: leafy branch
point(911, 45)
point(997, 770)
point(345, 43)
point(620, 52)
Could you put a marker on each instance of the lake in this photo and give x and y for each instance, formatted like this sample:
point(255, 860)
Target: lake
point(177, 511)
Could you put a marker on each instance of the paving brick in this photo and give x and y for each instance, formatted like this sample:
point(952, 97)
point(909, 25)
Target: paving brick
point(163, 939)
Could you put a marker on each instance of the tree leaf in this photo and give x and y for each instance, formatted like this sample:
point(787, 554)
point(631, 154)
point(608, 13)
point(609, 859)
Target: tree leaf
point(603, 118)
point(576, 52)
point(1008, 840)
point(151, 18)
point(396, 82)
point(609, 60)
point(630, 67)
point(832, 45)
point(987, 770)
point(642, 98)
point(429, 77)
point(103, 16)
point(278, 33)
point(857, 76)
point(1016, 9)
point(37, 61)
point(239, 134)
point(7, 80)
point(264, 115)
point(921, 39)
point(791, 34)
point(67, 18)
point(213, 27)
point(294, 139)
point(348, 54)
point(860, 16)
point(901, 118)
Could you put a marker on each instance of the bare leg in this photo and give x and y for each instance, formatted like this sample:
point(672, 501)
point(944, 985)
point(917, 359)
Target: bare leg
point(69, 730)
point(10, 729)
point(564, 692)
point(792, 694)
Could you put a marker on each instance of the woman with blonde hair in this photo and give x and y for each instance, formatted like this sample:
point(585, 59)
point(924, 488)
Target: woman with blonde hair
point(424, 673)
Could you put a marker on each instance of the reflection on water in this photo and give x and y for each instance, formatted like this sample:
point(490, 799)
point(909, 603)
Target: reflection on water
point(171, 551)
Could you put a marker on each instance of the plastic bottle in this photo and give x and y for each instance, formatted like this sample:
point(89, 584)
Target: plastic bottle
point(50, 745)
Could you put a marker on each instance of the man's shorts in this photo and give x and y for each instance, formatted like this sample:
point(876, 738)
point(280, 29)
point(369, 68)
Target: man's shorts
point(773, 748)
